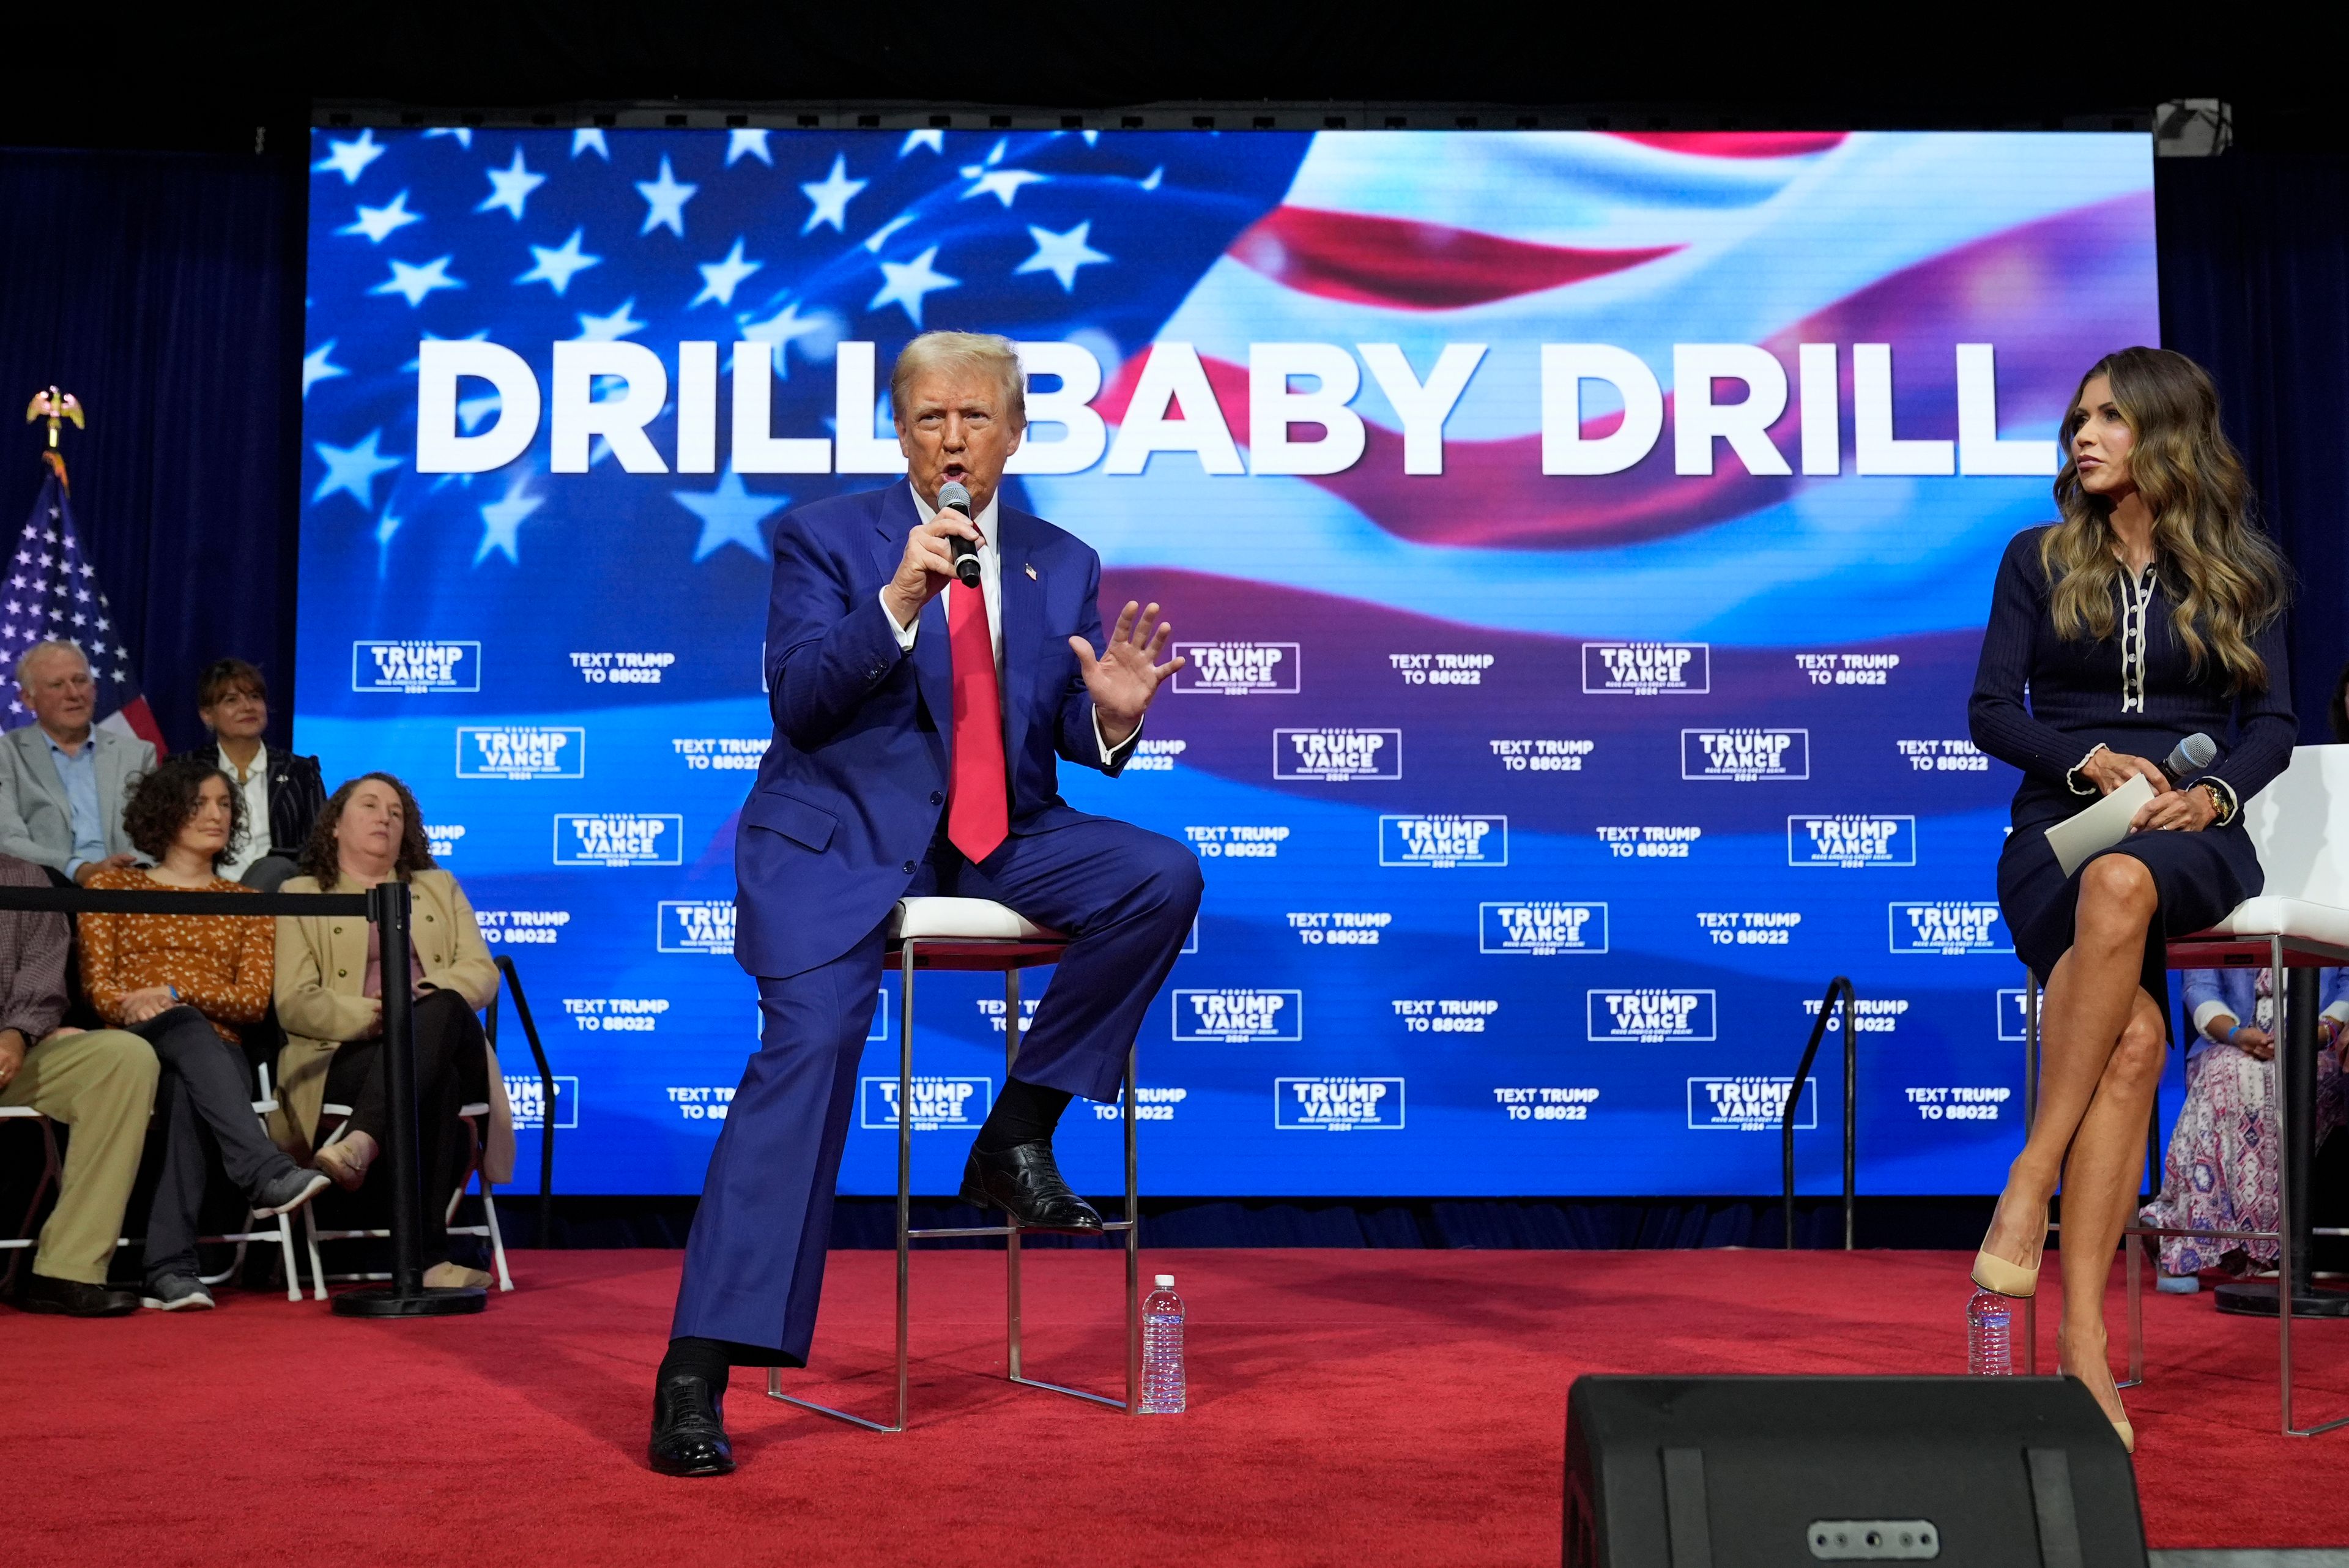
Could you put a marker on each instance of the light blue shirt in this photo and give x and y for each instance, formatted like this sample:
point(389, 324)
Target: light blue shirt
point(79, 775)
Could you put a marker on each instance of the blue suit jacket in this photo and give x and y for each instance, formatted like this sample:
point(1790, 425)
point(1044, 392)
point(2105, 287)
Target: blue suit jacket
point(2236, 992)
point(854, 784)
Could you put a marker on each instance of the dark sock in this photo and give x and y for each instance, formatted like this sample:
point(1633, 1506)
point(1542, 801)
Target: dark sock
point(1023, 1113)
point(704, 1358)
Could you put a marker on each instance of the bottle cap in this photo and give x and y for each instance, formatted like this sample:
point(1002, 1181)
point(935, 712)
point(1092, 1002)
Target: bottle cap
point(1165, 1282)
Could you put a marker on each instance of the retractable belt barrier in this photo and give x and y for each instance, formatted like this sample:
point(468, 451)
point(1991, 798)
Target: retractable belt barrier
point(385, 906)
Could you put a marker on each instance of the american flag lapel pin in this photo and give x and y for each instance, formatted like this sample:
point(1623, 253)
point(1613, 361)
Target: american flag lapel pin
point(1029, 570)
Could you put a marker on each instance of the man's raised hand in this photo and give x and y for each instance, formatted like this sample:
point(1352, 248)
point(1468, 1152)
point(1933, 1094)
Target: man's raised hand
point(927, 565)
point(1126, 677)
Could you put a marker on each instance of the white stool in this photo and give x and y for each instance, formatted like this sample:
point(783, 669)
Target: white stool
point(980, 934)
point(2300, 921)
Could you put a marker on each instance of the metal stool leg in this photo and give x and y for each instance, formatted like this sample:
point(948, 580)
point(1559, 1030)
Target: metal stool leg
point(1011, 1242)
point(2030, 1115)
point(905, 1208)
point(1132, 1255)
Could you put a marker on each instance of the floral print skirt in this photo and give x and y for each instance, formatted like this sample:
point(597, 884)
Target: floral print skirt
point(2224, 1165)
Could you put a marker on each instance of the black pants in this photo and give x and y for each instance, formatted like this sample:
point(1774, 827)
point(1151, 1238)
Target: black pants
point(209, 1090)
point(451, 1067)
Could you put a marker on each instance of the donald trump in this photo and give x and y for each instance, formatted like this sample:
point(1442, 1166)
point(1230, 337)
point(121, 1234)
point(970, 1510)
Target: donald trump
point(917, 725)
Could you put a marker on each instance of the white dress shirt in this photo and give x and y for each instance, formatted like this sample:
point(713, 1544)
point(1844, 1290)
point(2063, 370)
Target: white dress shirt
point(255, 790)
point(990, 586)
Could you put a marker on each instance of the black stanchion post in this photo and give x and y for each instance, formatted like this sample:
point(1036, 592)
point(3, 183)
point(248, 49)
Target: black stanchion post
point(387, 909)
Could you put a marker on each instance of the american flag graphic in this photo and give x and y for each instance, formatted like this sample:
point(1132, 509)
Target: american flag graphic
point(53, 592)
point(1423, 631)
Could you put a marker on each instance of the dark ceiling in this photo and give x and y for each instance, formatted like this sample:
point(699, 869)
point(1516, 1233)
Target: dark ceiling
point(203, 85)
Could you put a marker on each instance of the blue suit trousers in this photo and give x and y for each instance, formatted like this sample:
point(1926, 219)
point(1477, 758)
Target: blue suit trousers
point(754, 1261)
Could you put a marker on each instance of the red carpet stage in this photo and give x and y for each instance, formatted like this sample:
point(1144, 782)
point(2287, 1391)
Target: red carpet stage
point(1346, 1408)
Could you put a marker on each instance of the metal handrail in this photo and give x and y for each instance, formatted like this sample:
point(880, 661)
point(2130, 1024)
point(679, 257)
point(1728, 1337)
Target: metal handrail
point(1840, 987)
point(545, 1095)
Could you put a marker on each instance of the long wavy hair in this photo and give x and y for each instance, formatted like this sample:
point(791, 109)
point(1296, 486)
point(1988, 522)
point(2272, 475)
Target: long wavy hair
point(2223, 574)
point(319, 858)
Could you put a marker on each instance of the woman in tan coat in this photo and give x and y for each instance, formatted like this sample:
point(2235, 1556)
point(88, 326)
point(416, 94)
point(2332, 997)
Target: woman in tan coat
point(329, 989)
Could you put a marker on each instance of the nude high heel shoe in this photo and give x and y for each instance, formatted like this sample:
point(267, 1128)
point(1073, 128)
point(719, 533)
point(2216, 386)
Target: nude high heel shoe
point(1992, 1273)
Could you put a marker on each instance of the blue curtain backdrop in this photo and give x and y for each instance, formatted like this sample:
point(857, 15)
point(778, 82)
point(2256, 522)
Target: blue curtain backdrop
point(165, 292)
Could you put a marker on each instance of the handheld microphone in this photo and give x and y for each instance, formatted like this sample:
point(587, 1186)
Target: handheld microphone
point(2190, 755)
point(965, 553)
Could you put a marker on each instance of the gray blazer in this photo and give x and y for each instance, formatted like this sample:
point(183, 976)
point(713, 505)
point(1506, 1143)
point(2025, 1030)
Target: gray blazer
point(36, 822)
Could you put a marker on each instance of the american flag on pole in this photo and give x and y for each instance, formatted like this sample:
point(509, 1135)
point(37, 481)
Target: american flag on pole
point(53, 592)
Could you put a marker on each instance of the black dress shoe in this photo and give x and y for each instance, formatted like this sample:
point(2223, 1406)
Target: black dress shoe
point(689, 1430)
point(1025, 1183)
point(72, 1298)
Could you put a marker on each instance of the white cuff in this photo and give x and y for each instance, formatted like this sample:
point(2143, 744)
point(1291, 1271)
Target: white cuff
point(2338, 1013)
point(2071, 776)
point(1109, 752)
point(905, 634)
point(2207, 1011)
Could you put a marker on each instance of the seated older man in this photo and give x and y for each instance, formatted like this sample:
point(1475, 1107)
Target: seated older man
point(100, 1084)
point(63, 780)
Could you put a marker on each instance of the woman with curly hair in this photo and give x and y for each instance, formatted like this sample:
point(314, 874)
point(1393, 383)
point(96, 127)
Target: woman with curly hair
point(185, 983)
point(329, 989)
point(2153, 611)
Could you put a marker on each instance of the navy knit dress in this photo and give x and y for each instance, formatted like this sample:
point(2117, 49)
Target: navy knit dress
point(2136, 693)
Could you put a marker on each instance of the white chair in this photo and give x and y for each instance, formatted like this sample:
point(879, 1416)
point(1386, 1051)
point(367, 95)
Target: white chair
point(475, 1115)
point(24, 1239)
point(980, 934)
point(2299, 923)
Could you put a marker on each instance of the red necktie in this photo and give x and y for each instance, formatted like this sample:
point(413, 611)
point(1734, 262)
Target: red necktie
point(979, 815)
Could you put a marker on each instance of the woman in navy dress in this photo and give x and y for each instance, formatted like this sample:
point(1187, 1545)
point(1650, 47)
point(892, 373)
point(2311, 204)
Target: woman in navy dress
point(2154, 610)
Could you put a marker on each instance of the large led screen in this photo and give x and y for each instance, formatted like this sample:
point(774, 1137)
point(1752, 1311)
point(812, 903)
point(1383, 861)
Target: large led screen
point(1579, 543)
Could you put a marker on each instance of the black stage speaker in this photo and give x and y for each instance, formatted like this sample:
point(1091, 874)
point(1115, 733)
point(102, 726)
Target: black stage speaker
point(1774, 1472)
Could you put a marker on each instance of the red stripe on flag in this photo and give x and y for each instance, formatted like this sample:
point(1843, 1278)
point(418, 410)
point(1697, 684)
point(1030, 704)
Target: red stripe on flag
point(1737, 143)
point(1409, 266)
point(142, 722)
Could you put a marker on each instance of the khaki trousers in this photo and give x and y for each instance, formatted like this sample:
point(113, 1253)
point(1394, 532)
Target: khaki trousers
point(102, 1084)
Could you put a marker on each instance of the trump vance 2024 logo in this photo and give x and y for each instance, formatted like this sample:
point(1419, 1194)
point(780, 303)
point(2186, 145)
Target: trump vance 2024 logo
point(1337, 1104)
point(1541, 926)
point(940, 1104)
point(521, 752)
point(1443, 842)
point(1335, 757)
point(1647, 669)
point(1238, 1016)
point(1742, 755)
point(1649, 1015)
point(1949, 928)
point(1851, 841)
point(415, 666)
point(1238, 669)
point(619, 838)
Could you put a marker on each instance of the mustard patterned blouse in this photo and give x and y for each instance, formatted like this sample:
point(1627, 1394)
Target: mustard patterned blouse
point(223, 965)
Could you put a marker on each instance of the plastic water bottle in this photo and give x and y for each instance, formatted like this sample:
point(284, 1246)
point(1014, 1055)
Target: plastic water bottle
point(1990, 1334)
point(1161, 1349)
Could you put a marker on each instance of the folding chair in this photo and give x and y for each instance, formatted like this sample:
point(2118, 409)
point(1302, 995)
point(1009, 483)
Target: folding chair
point(24, 1239)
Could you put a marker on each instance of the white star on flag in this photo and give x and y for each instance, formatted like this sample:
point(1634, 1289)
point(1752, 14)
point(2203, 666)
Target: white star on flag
point(719, 279)
point(317, 367)
point(1000, 183)
point(556, 267)
point(741, 143)
point(590, 140)
point(935, 139)
point(351, 470)
point(463, 135)
point(511, 187)
point(609, 328)
point(350, 158)
point(831, 195)
point(781, 329)
point(377, 222)
point(501, 522)
point(413, 283)
point(665, 201)
point(730, 514)
point(909, 283)
point(1062, 255)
